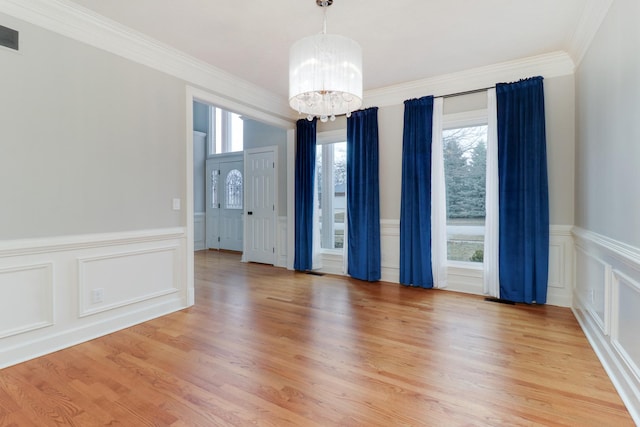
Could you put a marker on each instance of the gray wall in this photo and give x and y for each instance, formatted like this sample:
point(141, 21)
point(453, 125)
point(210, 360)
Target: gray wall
point(608, 128)
point(90, 142)
point(257, 135)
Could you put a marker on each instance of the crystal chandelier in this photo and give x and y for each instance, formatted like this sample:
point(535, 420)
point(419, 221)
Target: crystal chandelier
point(325, 74)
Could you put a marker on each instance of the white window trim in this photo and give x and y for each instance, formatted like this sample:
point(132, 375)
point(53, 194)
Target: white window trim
point(331, 137)
point(465, 119)
point(461, 120)
point(226, 142)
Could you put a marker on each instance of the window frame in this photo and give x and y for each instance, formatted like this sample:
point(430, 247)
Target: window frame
point(325, 138)
point(460, 120)
point(221, 136)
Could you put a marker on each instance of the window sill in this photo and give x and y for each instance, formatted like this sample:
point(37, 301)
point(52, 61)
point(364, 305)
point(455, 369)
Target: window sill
point(466, 265)
point(335, 252)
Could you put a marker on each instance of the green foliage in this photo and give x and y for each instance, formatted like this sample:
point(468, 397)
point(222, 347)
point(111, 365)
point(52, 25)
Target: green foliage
point(465, 160)
point(478, 256)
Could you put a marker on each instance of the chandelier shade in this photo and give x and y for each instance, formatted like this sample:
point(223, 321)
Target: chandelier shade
point(325, 76)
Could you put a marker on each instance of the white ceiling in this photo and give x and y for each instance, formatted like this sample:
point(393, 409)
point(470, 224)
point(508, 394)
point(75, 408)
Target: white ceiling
point(402, 40)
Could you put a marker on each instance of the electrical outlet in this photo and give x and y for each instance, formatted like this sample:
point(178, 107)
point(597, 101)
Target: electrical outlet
point(97, 295)
point(175, 204)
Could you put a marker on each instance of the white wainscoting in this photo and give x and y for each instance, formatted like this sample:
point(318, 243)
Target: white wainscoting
point(61, 291)
point(469, 280)
point(281, 242)
point(199, 231)
point(33, 286)
point(390, 250)
point(561, 262)
point(607, 305)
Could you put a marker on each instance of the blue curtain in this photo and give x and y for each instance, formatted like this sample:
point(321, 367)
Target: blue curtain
point(304, 182)
point(363, 199)
point(415, 204)
point(523, 191)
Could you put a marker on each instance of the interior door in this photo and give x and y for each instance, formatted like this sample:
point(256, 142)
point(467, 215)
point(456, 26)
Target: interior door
point(224, 202)
point(261, 209)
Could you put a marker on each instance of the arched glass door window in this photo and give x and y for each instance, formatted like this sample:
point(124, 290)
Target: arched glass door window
point(234, 189)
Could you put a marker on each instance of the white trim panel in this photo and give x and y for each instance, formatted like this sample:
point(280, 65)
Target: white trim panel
point(26, 298)
point(281, 242)
point(126, 278)
point(10, 248)
point(625, 303)
point(390, 250)
point(469, 279)
point(47, 301)
point(199, 240)
point(606, 301)
point(561, 255)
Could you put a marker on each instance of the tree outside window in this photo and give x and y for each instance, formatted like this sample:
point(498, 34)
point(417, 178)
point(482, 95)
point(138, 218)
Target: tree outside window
point(465, 160)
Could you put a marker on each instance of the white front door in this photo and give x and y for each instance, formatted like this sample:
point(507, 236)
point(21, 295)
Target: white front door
point(224, 200)
point(261, 205)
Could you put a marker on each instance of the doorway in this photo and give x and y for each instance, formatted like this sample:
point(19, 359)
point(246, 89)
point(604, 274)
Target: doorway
point(261, 199)
point(224, 197)
point(269, 130)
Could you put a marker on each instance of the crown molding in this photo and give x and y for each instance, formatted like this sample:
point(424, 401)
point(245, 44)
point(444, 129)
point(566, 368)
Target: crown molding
point(554, 64)
point(81, 24)
point(592, 16)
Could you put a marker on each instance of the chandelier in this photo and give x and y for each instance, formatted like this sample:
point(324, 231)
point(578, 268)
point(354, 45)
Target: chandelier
point(325, 74)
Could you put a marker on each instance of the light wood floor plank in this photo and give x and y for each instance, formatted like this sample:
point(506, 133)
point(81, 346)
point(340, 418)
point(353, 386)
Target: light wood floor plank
point(268, 347)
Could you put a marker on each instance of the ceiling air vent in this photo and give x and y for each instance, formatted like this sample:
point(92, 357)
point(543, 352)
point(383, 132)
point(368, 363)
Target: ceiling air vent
point(8, 38)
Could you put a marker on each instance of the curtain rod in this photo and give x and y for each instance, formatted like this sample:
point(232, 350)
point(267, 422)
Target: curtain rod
point(467, 92)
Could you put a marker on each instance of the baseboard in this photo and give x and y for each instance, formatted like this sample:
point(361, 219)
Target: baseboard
point(32, 348)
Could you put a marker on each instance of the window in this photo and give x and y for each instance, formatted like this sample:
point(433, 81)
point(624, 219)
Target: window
point(227, 129)
point(465, 160)
point(331, 183)
point(234, 189)
point(214, 189)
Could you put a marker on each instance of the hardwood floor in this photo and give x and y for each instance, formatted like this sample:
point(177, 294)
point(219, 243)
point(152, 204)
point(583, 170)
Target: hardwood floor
point(265, 346)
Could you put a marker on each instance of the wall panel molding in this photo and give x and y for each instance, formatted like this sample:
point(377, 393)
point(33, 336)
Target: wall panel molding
point(390, 250)
point(625, 300)
point(86, 241)
point(30, 287)
point(470, 279)
point(46, 287)
point(606, 297)
point(281, 242)
point(199, 239)
point(135, 275)
point(561, 262)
